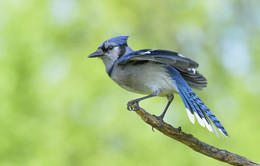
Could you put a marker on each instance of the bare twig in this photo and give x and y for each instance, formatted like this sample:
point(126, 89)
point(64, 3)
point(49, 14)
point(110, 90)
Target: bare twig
point(194, 143)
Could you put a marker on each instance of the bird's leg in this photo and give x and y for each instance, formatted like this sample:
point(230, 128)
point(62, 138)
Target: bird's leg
point(170, 98)
point(136, 101)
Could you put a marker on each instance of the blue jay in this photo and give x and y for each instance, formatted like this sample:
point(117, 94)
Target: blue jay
point(157, 73)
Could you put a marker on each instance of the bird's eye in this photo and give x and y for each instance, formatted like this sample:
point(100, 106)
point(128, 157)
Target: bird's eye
point(110, 47)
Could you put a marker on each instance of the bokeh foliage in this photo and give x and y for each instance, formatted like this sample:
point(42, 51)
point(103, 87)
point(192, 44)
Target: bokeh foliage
point(60, 108)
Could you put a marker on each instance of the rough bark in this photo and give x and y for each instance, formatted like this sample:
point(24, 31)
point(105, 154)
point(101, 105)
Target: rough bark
point(194, 143)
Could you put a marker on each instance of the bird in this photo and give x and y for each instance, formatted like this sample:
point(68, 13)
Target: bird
point(156, 72)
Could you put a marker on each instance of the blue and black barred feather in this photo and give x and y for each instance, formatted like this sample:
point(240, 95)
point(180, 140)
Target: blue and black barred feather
point(194, 104)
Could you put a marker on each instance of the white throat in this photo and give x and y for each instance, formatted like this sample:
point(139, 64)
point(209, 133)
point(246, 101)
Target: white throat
point(110, 58)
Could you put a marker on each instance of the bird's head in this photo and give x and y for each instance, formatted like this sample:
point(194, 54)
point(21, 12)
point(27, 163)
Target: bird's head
point(112, 48)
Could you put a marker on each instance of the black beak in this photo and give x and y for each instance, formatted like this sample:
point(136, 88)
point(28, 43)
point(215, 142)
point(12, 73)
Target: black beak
point(98, 53)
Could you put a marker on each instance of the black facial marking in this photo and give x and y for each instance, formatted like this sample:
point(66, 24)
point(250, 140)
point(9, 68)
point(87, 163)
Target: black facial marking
point(104, 48)
point(122, 49)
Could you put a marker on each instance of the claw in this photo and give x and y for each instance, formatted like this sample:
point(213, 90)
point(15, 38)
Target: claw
point(161, 119)
point(153, 129)
point(133, 105)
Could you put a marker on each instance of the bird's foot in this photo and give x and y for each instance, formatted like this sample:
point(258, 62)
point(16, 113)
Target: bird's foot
point(161, 119)
point(133, 105)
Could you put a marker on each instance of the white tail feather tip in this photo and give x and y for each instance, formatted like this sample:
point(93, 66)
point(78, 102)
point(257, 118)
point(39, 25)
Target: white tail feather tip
point(223, 134)
point(209, 127)
point(201, 122)
point(190, 115)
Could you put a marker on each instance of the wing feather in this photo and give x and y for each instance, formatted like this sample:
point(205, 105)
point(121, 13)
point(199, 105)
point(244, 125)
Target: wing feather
point(193, 78)
point(161, 56)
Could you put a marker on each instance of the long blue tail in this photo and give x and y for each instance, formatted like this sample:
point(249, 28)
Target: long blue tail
point(194, 105)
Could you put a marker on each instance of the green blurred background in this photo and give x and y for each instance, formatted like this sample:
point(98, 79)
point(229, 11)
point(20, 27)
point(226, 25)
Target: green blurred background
point(60, 108)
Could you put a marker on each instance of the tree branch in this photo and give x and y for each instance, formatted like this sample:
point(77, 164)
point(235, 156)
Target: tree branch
point(194, 143)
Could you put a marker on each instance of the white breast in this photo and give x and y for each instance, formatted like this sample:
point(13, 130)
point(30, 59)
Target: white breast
point(145, 78)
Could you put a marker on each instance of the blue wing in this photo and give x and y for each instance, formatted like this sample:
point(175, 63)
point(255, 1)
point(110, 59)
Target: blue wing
point(161, 56)
point(185, 66)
